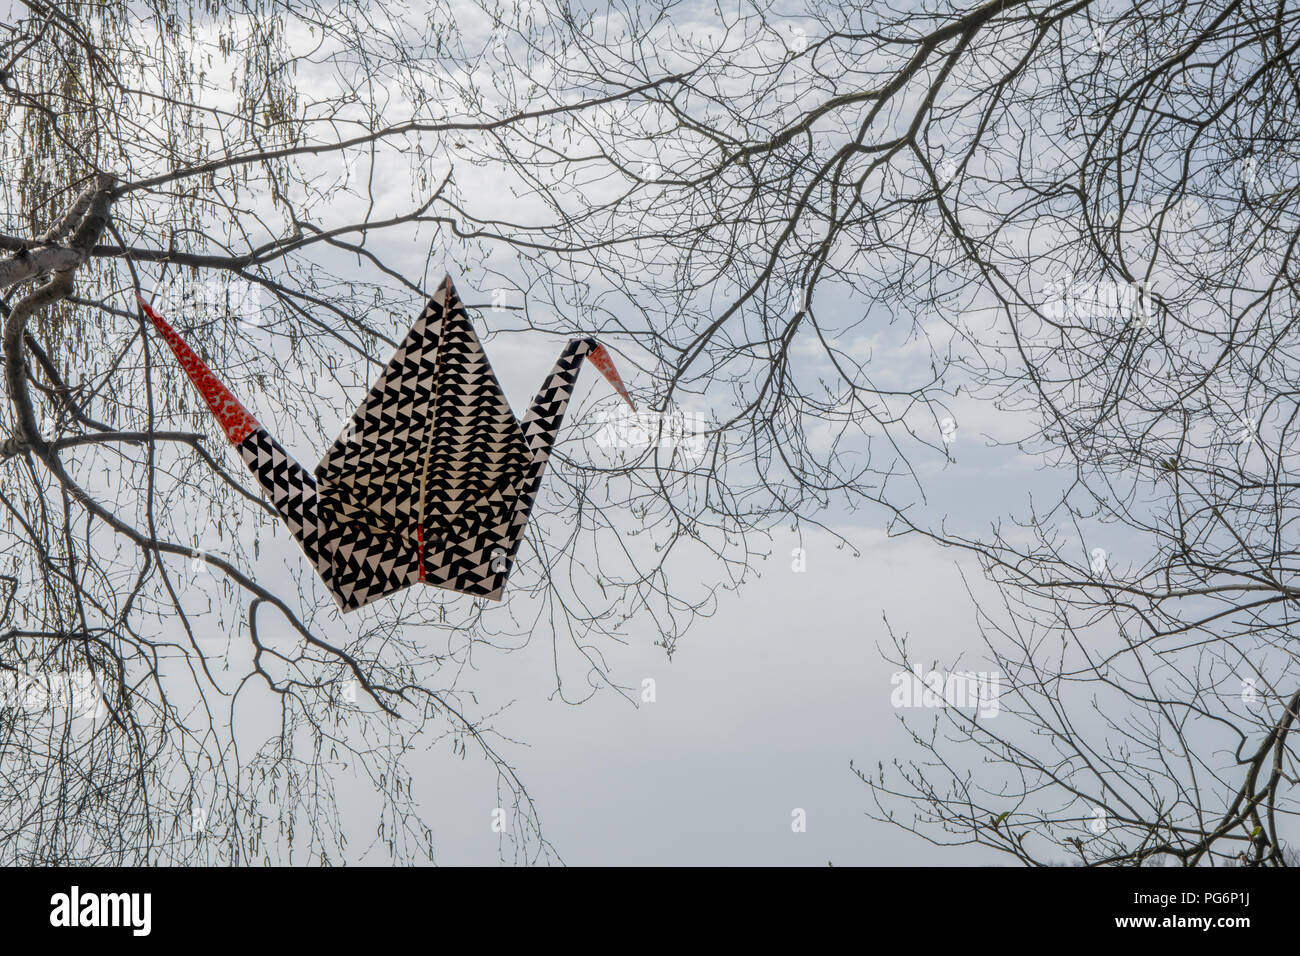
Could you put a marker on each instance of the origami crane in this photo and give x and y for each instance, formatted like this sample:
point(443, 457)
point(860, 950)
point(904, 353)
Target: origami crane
point(433, 478)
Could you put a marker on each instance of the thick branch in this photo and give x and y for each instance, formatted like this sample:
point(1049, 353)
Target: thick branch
point(89, 215)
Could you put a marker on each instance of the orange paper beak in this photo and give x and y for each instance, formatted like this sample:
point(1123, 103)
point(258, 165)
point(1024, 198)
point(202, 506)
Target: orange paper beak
point(600, 358)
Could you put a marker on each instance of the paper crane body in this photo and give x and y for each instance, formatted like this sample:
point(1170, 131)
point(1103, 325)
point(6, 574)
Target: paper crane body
point(432, 480)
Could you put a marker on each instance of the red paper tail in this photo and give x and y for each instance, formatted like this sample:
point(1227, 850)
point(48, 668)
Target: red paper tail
point(226, 409)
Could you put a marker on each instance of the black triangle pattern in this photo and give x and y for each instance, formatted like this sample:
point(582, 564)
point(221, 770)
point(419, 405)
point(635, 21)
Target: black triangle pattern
point(434, 449)
point(541, 428)
point(437, 423)
point(292, 492)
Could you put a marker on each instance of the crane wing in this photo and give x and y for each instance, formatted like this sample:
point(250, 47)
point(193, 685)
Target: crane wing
point(434, 438)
